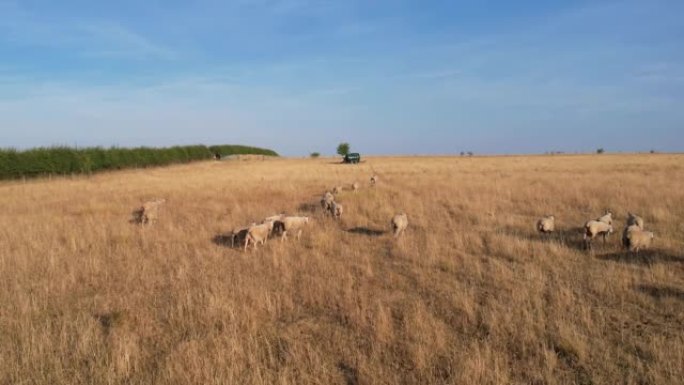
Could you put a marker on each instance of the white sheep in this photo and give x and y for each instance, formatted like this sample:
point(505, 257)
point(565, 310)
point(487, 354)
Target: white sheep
point(633, 219)
point(336, 190)
point(258, 234)
point(399, 223)
point(634, 238)
point(594, 228)
point(336, 210)
point(607, 218)
point(373, 180)
point(149, 212)
point(273, 218)
point(290, 224)
point(355, 186)
point(546, 224)
point(327, 201)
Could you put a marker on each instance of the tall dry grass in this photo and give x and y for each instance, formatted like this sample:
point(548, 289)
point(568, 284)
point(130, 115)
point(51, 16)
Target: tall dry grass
point(470, 294)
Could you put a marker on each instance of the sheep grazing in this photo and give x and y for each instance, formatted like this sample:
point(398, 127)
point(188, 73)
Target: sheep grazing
point(258, 234)
point(399, 223)
point(633, 219)
point(546, 224)
point(290, 224)
point(373, 180)
point(336, 210)
point(607, 218)
point(327, 201)
point(149, 212)
point(635, 238)
point(336, 190)
point(355, 186)
point(594, 228)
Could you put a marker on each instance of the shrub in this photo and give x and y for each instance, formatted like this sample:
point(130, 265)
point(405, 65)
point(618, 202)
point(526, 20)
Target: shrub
point(65, 160)
point(343, 149)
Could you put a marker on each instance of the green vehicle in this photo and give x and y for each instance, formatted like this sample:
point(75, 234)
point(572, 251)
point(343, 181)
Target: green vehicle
point(353, 157)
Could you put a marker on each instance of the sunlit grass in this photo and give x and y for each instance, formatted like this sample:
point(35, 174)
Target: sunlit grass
point(469, 294)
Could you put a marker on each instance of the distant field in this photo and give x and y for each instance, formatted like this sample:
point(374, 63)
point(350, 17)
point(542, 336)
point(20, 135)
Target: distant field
point(469, 295)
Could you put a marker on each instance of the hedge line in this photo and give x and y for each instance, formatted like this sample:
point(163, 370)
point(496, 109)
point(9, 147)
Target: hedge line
point(234, 149)
point(65, 160)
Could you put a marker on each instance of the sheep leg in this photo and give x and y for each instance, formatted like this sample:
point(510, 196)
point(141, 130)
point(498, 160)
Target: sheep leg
point(283, 236)
point(299, 234)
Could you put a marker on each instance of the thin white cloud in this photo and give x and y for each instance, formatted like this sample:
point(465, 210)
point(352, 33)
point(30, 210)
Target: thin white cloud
point(120, 41)
point(85, 37)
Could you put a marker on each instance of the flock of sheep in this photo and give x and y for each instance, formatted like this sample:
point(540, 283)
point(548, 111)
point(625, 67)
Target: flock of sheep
point(634, 237)
point(280, 224)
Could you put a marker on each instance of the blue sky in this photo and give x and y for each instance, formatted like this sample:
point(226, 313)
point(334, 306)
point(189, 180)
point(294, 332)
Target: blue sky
point(390, 77)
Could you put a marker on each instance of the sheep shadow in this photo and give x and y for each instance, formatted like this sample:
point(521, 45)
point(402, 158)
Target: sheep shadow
point(660, 292)
point(645, 257)
point(366, 231)
point(351, 374)
point(308, 207)
point(136, 217)
point(227, 240)
point(109, 320)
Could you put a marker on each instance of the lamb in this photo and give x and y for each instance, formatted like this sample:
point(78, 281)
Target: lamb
point(373, 180)
point(595, 228)
point(399, 223)
point(634, 238)
point(290, 224)
point(258, 234)
point(149, 212)
point(355, 186)
point(633, 219)
point(607, 218)
point(546, 224)
point(336, 210)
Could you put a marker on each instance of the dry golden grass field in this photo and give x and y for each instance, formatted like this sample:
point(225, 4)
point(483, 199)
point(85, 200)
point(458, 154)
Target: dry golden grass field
point(470, 294)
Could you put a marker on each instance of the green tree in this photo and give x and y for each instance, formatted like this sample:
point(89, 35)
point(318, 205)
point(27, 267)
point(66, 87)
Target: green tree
point(343, 148)
point(600, 151)
point(315, 154)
